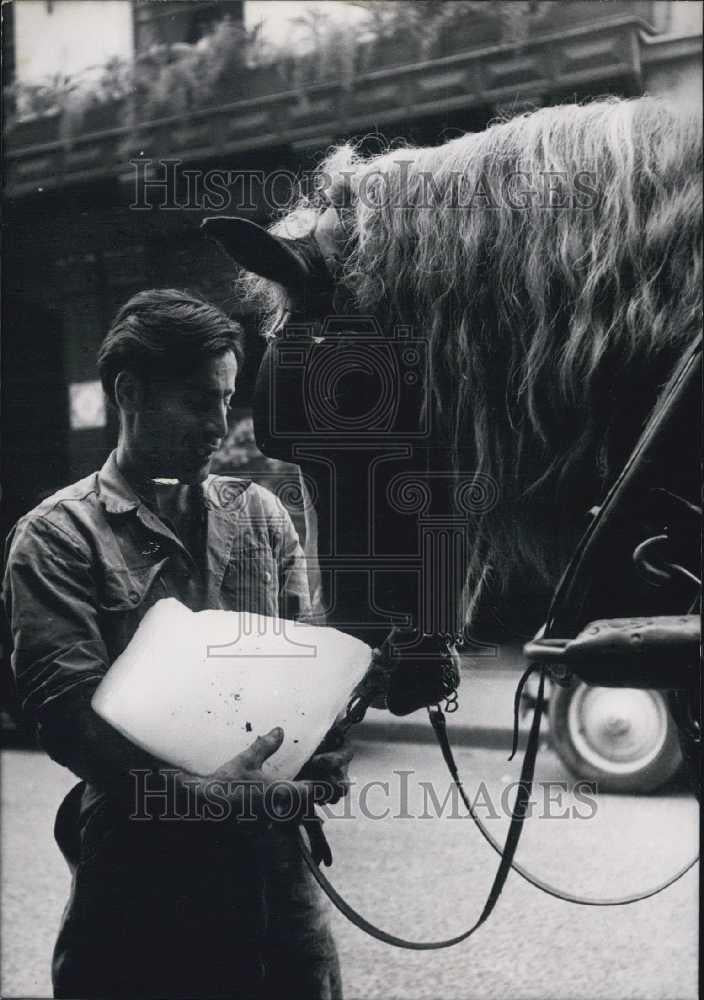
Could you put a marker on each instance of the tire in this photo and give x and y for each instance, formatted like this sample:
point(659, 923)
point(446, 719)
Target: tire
point(624, 739)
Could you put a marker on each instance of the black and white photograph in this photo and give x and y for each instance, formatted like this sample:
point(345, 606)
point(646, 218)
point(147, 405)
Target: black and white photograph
point(351, 499)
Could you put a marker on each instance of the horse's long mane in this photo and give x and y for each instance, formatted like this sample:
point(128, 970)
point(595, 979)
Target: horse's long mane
point(553, 320)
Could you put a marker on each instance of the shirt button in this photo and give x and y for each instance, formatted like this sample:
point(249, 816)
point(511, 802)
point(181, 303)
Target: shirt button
point(267, 575)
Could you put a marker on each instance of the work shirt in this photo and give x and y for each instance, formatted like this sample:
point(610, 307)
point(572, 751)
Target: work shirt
point(83, 568)
point(90, 561)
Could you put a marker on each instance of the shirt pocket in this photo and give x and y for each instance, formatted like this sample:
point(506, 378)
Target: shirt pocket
point(251, 579)
point(128, 593)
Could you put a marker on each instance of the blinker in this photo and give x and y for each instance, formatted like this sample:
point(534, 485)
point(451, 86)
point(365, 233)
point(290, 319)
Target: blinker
point(298, 265)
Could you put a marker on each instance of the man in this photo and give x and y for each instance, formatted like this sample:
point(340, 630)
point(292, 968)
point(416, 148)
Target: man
point(170, 908)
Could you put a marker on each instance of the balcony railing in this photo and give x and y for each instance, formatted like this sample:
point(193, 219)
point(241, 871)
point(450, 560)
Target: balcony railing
point(312, 114)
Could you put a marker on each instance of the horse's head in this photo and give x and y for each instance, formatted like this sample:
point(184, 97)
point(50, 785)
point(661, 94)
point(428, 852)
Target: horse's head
point(552, 267)
point(299, 271)
point(355, 441)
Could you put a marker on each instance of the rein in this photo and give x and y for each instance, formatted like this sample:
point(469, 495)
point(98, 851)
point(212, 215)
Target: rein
point(440, 729)
point(507, 853)
point(513, 836)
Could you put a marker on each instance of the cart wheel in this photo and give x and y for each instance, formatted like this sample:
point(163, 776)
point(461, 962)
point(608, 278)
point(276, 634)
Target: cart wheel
point(624, 739)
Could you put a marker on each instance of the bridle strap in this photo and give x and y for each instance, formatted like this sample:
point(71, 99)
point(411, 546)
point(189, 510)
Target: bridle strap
point(440, 730)
point(514, 832)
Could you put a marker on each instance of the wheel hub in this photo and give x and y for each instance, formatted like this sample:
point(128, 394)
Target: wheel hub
point(616, 729)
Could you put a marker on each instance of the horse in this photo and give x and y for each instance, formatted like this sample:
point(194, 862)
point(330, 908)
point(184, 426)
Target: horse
point(551, 269)
point(523, 308)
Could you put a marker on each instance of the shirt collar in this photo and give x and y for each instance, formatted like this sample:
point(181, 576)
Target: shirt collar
point(115, 492)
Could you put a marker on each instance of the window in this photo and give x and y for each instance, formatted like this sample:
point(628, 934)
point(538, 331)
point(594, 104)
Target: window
point(168, 22)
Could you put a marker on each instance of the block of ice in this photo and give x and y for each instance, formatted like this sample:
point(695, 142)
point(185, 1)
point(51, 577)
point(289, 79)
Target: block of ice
point(196, 688)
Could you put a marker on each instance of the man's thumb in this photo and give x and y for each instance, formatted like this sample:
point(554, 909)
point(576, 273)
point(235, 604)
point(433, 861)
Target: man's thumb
point(265, 746)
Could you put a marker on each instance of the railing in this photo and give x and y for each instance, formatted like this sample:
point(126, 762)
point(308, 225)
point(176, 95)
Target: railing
point(312, 115)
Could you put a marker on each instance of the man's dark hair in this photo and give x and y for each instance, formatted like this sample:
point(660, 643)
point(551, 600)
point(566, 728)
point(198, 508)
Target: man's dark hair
point(165, 333)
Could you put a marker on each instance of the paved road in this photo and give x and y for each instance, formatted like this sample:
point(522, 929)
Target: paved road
point(428, 876)
point(429, 879)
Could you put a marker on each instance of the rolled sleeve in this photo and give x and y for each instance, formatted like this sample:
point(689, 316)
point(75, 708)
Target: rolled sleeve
point(50, 602)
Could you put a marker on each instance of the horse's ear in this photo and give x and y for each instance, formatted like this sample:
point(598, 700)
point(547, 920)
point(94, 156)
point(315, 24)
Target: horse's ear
point(254, 249)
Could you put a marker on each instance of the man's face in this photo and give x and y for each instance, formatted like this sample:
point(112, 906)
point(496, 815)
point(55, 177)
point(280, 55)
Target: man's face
point(183, 421)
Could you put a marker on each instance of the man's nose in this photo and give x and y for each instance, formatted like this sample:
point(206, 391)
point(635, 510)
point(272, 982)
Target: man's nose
point(217, 421)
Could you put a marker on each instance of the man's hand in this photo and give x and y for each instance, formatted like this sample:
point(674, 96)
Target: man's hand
point(328, 773)
point(249, 792)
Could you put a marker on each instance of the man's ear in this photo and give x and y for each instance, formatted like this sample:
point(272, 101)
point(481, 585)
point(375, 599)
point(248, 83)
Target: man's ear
point(129, 392)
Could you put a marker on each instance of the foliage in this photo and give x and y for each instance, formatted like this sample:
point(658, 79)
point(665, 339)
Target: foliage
point(327, 48)
point(323, 48)
point(178, 78)
point(164, 80)
point(424, 22)
point(47, 97)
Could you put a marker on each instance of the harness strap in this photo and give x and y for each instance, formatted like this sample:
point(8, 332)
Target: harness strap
point(514, 832)
point(441, 734)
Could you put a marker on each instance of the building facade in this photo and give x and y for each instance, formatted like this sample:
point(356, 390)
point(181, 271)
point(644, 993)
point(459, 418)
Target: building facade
point(102, 204)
